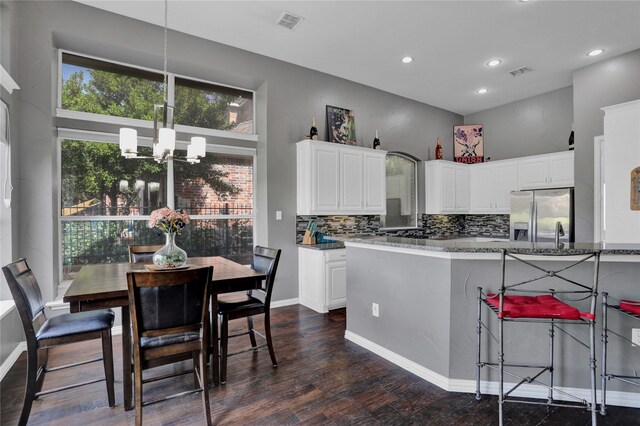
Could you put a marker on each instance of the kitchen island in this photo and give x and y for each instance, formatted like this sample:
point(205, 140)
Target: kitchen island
point(425, 292)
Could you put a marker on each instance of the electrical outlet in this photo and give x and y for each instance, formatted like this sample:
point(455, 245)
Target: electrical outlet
point(7, 203)
point(635, 336)
point(278, 214)
point(375, 310)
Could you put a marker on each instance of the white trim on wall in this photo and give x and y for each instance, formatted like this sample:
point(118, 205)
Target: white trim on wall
point(598, 182)
point(13, 357)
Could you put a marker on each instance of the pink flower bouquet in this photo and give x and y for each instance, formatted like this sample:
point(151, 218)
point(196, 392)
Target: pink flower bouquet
point(168, 220)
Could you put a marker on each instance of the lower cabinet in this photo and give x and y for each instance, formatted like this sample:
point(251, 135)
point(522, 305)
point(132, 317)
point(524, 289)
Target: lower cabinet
point(322, 278)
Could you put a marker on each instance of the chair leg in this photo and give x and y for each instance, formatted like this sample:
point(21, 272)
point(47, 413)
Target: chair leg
point(603, 376)
point(30, 388)
point(196, 361)
point(204, 383)
point(551, 357)
point(592, 365)
point(107, 359)
point(224, 343)
point(137, 375)
point(479, 337)
point(42, 361)
point(267, 330)
point(501, 368)
point(252, 335)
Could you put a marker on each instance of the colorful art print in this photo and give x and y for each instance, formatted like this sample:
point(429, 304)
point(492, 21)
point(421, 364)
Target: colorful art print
point(468, 143)
point(341, 126)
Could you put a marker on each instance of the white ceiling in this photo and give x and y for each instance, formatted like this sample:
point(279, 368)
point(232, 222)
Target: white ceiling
point(451, 41)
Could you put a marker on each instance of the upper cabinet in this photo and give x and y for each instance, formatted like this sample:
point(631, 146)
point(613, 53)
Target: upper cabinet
point(339, 179)
point(447, 187)
point(490, 186)
point(486, 188)
point(546, 171)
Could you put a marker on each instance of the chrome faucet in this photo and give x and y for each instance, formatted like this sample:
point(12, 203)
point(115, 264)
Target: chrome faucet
point(559, 232)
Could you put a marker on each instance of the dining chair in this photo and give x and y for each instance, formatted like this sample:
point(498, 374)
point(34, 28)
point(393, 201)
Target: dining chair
point(143, 253)
point(254, 302)
point(42, 333)
point(170, 319)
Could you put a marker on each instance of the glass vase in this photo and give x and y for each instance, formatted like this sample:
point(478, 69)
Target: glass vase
point(170, 256)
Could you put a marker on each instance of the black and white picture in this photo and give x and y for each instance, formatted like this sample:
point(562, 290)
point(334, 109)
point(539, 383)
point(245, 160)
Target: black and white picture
point(341, 126)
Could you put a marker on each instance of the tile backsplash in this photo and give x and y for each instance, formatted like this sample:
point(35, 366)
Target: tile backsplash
point(429, 226)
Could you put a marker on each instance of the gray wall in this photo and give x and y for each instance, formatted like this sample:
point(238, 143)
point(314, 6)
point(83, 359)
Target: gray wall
point(431, 318)
point(609, 82)
point(11, 333)
point(537, 125)
point(288, 96)
point(8, 53)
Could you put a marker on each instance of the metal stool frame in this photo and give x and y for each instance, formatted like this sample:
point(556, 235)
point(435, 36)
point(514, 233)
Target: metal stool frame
point(606, 376)
point(590, 292)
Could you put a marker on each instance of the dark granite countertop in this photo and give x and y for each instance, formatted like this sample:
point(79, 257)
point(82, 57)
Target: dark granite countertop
point(323, 246)
point(466, 245)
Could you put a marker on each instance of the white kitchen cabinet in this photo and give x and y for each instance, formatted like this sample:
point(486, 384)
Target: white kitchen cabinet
point(322, 278)
point(546, 171)
point(447, 187)
point(490, 186)
point(351, 182)
point(621, 157)
point(339, 179)
point(375, 198)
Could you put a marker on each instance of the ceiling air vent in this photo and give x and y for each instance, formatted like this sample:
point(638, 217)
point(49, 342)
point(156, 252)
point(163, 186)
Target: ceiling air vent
point(519, 71)
point(289, 20)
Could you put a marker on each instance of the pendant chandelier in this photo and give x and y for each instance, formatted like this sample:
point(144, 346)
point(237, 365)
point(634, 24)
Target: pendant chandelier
point(164, 137)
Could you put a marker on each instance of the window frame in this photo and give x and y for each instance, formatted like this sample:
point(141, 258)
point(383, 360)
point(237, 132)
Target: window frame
point(416, 163)
point(101, 137)
point(148, 124)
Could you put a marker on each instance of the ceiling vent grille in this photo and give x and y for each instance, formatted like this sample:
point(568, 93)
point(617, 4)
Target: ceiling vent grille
point(519, 71)
point(289, 20)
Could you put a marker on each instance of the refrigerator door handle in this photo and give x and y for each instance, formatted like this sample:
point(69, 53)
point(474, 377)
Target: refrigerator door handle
point(533, 228)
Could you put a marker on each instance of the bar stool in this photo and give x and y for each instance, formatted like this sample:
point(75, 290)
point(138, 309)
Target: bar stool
point(546, 309)
point(627, 308)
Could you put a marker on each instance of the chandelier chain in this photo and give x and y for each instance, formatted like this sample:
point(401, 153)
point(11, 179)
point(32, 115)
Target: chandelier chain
point(166, 76)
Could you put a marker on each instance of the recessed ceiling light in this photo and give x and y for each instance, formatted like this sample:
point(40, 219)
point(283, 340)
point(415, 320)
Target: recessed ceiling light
point(525, 1)
point(595, 52)
point(407, 59)
point(494, 62)
point(482, 91)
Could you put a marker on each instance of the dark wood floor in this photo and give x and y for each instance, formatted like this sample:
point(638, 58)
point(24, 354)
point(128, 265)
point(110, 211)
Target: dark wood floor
point(321, 379)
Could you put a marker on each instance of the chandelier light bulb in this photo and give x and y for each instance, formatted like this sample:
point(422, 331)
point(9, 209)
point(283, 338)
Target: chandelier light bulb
point(199, 146)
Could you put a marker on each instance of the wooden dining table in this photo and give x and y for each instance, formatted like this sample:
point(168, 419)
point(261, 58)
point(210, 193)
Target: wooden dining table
point(103, 286)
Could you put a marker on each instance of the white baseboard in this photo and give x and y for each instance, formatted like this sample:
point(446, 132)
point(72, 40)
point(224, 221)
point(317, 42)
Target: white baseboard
point(285, 302)
point(318, 307)
point(411, 366)
point(623, 399)
point(13, 357)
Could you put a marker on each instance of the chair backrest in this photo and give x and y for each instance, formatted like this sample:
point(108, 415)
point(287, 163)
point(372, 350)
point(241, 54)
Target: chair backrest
point(26, 295)
point(168, 302)
point(265, 260)
point(142, 253)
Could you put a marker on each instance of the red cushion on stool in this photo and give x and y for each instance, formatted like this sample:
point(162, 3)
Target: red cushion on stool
point(545, 306)
point(630, 306)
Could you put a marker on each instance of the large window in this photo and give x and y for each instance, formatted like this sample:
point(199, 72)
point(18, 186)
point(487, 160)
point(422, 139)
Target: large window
point(91, 85)
point(402, 204)
point(106, 201)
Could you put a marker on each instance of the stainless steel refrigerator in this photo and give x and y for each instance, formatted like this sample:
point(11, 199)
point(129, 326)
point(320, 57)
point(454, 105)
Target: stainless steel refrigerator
point(539, 215)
